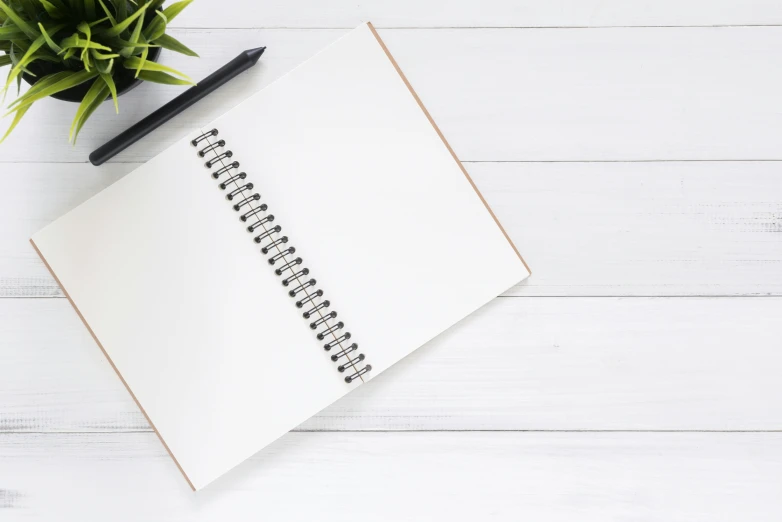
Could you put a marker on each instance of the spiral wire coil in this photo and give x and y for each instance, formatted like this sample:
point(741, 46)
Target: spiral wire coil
point(241, 193)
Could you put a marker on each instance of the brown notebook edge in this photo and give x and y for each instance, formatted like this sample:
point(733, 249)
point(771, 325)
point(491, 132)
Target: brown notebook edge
point(89, 329)
point(445, 142)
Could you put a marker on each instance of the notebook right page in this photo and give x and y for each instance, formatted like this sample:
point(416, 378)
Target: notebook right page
point(372, 198)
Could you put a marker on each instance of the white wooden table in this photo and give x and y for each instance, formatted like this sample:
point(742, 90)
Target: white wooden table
point(633, 151)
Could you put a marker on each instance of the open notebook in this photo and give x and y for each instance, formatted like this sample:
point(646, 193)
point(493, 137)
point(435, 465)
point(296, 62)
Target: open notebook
point(280, 256)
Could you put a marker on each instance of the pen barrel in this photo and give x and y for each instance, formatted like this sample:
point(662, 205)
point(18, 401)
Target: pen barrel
point(130, 136)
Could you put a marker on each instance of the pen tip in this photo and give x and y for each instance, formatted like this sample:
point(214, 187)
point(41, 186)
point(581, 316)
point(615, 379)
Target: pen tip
point(255, 54)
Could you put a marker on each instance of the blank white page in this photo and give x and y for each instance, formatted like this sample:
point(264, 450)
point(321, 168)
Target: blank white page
point(195, 320)
point(190, 315)
point(372, 198)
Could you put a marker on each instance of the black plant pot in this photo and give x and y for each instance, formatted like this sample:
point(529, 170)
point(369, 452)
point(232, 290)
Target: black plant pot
point(124, 79)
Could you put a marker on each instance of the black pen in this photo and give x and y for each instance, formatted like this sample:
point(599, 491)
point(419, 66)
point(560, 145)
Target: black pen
point(125, 139)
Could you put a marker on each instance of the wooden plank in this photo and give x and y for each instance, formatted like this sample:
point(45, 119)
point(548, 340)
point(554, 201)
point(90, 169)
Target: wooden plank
point(41, 193)
point(587, 229)
point(683, 228)
point(502, 95)
point(592, 477)
point(517, 364)
point(490, 13)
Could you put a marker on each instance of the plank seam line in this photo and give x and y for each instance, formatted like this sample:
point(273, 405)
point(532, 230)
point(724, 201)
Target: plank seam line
point(765, 160)
point(470, 27)
point(661, 431)
point(618, 296)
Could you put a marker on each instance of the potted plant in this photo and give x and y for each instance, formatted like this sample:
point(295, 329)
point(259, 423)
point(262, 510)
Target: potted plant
point(85, 51)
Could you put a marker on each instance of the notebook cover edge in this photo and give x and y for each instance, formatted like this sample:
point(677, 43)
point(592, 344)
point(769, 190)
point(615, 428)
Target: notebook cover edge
point(111, 363)
point(445, 142)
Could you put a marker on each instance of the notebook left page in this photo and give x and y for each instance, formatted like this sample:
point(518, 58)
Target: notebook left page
point(192, 319)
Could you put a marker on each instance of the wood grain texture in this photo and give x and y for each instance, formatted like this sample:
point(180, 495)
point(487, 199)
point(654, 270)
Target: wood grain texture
point(490, 13)
point(74, 447)
point(587, 229)
point(502, 95)
point(673, 477)
point(517, 364)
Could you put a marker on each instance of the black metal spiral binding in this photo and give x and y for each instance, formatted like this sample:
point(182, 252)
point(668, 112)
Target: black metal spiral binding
point(280, 255)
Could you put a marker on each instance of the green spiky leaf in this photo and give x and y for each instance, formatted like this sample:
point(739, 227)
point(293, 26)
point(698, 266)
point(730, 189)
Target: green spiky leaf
point(123, 44)
point(17, 118)
point(161, 77)
point(172, 44)
point(11, 32)
point(121, 8)
point(85, 29)
point(89, 98)
point(116, 30)
point(96, 95)
point(28, 29)
point(72, 79)
point(101, 56)
point(40, 85)
point(99, 21)
point(173, 10)
point(134, 39)
point(133, 62)
point(109, 81)
point(88, 41)
point(142, 60)
point(158, 27)
point(55, 9)
point(75, 42)
point(24, 60)
point(156, 4)
point(52, 45)
point(111, 18)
